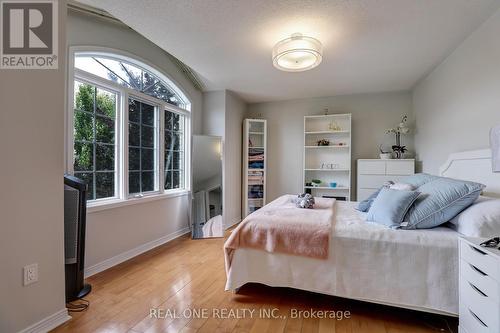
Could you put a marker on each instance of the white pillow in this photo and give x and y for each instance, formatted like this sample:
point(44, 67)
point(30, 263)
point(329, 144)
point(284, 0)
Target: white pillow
point(482, 219)
point(401, 187)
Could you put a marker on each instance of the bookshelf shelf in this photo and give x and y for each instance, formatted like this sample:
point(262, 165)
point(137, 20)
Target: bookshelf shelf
point(254, 165)
point(335, 128)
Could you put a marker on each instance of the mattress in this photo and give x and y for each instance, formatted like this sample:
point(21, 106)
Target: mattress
point(416, 269)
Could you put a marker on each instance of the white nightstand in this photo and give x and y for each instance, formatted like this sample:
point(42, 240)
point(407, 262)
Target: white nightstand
point(479, 287)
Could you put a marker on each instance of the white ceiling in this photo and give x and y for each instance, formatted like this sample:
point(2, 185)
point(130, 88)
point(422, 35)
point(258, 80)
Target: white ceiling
point(369, 45)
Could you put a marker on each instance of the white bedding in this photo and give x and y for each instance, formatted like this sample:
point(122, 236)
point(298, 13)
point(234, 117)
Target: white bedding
point(415, 269)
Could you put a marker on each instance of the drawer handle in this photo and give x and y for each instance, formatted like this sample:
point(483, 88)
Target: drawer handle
point(477, 318)
point(478, 270)
point(478, 290)
point(477, 250)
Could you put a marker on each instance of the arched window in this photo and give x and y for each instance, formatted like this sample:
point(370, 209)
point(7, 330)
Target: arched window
point(129, 75)
point(131, 129)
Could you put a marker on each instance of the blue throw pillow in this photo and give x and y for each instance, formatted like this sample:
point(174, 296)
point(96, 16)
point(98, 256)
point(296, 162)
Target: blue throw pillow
point(441, 200)
point(391, 206)
point(365, 205)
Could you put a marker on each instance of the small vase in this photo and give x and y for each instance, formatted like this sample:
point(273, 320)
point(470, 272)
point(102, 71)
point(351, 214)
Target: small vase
point(386, 156)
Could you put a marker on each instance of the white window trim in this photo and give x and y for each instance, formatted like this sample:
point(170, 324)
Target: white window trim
point(118, 135)
point(123, 93)
point(158, 181)
point(93, 207)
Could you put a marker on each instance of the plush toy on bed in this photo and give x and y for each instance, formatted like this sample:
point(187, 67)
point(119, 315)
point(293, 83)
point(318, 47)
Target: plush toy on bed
point(305, 200)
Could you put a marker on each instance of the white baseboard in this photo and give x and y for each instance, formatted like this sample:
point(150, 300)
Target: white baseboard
point(48, 323)
point(234, 221)
point(113, 261)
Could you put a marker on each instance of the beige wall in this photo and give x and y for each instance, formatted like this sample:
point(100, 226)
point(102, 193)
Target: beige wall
point(223, 114)
point(132, 226)
point(458, 103)
point(31, 199)
point(214, 113)
point(372, 114)
point(235, 111)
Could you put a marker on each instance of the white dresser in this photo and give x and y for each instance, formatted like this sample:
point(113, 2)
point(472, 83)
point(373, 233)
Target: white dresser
point(479, 287)
point(373, 173)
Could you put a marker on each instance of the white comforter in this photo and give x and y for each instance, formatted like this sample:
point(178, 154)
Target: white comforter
point(415, 269)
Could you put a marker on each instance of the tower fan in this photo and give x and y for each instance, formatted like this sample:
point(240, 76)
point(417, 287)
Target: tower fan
point(75, 212)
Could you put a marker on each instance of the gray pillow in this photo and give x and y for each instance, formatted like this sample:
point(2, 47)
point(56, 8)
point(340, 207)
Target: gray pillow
point(441, 200)
point(390, 207)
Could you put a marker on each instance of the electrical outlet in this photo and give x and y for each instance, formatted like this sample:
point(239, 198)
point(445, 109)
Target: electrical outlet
point(30, 274)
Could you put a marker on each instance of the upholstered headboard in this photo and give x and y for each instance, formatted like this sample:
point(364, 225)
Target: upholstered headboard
point(474, 165)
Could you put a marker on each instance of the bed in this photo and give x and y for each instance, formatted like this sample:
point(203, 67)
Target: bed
point(414, 269)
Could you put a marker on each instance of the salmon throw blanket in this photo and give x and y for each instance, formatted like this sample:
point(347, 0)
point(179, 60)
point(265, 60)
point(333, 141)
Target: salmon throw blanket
point(281, 227)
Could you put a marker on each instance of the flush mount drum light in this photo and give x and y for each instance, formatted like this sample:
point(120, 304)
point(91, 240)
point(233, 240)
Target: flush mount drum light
point(297, 53)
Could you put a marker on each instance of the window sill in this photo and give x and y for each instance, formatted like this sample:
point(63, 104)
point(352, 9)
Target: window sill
point(97, 207)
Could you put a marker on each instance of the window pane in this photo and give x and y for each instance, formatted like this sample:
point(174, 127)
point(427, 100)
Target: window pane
point(168, 159)
point(115, 72)
point(134, 158)
point(134, 135)
point(129, 75)
point(134, 182)
point(142, 147)
point(134, 111)
point(105, 103)
point(150, 83)
point(176, 141)
point(88, 178)
point(94, 138)
point(83, 126)
point(148, 136)
point(175, 179)
point(177, 156)
point(148, 181)
point(84, 156)
point(148, 114)
point(105, 185)
point(168, 120)
point(176, 122)
point(134, 75)
point(168, 140)
point(105, 157)
point(84, 97)
point(148, 159)
point(168, 180)
point(174, 146)
point(104, 129)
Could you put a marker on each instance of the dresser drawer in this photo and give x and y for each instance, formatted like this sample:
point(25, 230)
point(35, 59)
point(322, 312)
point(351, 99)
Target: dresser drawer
point(483, 261)
point(376, 181)
point(478, 309)
point(480, 280)
point(400, 168)
point(470, 322)
point(371, 167)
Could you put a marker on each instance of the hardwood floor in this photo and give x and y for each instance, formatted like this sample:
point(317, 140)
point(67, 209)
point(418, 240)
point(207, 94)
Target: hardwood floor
point(186, 275)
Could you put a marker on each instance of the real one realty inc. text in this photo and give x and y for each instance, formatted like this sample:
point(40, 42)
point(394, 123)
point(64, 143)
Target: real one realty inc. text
point(265, 313)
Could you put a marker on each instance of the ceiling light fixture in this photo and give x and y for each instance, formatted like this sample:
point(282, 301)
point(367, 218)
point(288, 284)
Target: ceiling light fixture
point(297, 53)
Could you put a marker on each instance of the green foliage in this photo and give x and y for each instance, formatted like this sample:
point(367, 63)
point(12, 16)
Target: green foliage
point(85, 120)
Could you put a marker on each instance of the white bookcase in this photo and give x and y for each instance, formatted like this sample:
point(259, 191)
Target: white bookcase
point(330, 164)
point(254, 164)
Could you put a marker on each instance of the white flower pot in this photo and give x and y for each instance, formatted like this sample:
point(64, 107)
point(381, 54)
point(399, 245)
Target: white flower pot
point(386, 156)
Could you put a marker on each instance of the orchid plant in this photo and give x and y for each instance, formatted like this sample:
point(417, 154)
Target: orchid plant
point(402, 128)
